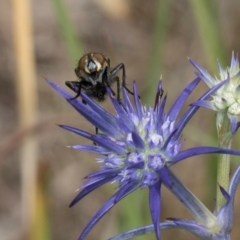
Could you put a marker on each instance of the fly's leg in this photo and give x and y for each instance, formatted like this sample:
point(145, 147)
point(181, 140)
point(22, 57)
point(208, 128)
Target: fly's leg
point(105, 79)
point(76, 86)
point(113, 73)
point(96, 129)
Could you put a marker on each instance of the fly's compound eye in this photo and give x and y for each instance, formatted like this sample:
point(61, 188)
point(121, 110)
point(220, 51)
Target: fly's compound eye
point(91, 67)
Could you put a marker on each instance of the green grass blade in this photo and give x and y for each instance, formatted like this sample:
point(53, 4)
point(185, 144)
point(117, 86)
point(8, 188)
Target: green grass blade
point(157, 47)
point(69, 35)
point(207, 19)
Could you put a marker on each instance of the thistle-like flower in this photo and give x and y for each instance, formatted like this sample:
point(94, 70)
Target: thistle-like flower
point(137, 145)
point(227, 98)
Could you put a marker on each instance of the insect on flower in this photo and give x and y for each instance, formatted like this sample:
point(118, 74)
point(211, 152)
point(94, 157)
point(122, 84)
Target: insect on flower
point(137, 147)
point(95, 74)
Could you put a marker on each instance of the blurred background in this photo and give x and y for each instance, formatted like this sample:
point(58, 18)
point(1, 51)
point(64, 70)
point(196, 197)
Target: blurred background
point(45, 39)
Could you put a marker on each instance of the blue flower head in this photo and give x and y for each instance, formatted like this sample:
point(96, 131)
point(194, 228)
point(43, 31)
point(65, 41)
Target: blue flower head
point(137, 146)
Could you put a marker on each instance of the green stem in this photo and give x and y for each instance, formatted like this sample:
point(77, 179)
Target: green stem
point(223, 169)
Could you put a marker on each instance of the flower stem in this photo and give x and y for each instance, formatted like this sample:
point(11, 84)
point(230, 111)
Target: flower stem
point(223, 169)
